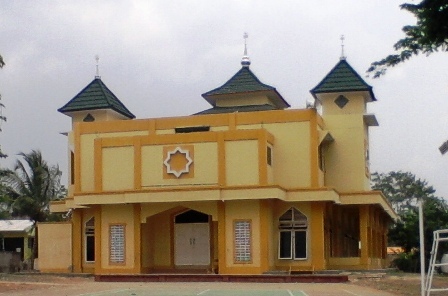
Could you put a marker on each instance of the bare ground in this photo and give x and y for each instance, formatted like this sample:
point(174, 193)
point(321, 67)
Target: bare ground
point(398, 283)
point(393, 283)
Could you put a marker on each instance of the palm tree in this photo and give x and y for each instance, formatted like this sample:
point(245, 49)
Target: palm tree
point(32, 185)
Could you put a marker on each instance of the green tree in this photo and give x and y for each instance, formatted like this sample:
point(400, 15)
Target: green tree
point(32, 185)
point(428, 35)
point(404, 191)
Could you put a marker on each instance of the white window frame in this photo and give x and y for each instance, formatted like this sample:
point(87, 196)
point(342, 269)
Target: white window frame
point(294, 227)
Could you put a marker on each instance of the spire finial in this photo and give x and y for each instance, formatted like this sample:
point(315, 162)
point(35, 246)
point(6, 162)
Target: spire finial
point(97, 58)
point(245, 61)
point(343, 57)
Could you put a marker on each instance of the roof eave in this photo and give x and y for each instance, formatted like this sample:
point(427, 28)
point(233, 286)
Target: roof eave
point(372, 97)
point(277, 98)
point(68, 112)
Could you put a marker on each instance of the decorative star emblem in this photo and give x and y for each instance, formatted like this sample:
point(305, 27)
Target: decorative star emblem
point(179, 169)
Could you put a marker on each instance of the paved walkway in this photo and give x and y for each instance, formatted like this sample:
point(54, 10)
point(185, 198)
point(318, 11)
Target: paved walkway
point(90, 288)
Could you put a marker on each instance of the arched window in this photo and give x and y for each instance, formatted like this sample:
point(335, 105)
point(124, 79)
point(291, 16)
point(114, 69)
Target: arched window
point(90, 240)
point(293, 227)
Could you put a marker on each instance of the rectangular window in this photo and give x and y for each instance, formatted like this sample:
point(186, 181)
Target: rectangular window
point(72, 168)
point(191, 129)
point(242, 241)
point(285, 249)
point(269, 155)
point(117, 243)
point(90, 248)
point(299, 244)
point(321, 158)
point(90, 244)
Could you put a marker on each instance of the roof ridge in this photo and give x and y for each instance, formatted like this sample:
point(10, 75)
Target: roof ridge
point(342, 77)
point(240, 72)
point(96, 95)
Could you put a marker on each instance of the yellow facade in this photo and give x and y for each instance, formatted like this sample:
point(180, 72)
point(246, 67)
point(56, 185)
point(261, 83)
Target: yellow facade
point(214, 192)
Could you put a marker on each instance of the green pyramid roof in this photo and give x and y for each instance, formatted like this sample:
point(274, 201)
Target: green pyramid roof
point(342, 78)
point(244, 81)
point(95, 96)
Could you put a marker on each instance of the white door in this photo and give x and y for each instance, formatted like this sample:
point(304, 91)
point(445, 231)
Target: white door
point(192, 244)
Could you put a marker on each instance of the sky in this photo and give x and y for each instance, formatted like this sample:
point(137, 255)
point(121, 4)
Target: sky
point(158, 57)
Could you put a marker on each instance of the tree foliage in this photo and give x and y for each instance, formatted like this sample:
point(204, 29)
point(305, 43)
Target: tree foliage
point(404, 191)
point(31, 186)
point(428, 35)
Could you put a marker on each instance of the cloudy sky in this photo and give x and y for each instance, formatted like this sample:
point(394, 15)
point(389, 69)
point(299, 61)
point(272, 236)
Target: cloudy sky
point(158, 57)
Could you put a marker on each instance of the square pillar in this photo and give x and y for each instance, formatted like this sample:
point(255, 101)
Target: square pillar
point(364, 233)
point(317, 236)
point(77, 241)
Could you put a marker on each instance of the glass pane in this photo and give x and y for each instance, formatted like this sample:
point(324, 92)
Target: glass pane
point(90, 248)
point(287, 216)
point(299, 218)
point(285, 245)
point(300, 245)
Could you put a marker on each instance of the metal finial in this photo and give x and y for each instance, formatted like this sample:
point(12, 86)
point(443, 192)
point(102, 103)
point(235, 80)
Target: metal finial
point(245, 61)
point(97, 58)
point(342, 48)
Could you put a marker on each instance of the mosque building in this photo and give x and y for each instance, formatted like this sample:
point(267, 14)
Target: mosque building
point(248, 186)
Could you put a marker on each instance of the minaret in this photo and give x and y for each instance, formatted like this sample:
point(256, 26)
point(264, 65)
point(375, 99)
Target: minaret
point(244, 92)
point(96, 103)
point(343, 96)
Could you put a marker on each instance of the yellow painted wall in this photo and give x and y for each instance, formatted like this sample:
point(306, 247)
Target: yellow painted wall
point(87, 157)
point(118, 168)
point(205, 163)
point(147, 246)
point(117, 214)
point(242, 162)
point(345, 161)
point(219, 128)
point(55, 251)
point(99, 115)
point(291, 152)
point(165, 132)
point(243, 101)
point(206, 207)
point(242, 210)
point(356, 104)
point(161, 239)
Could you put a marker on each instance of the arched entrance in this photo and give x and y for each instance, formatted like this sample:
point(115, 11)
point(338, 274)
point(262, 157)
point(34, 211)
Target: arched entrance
point(191, 240)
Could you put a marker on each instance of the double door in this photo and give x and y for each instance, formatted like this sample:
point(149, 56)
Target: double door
point(192, 244)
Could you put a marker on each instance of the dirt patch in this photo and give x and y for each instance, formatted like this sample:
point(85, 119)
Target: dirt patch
point(32, 282)
point(398, 283)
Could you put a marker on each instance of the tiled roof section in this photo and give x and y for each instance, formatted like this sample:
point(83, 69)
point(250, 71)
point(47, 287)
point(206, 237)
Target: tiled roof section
point(243, 81)
point(342, 78)
point(221, 110)
point(95, 96)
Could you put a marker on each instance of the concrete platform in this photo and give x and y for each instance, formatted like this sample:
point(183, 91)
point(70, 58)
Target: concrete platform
point(303, 278)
